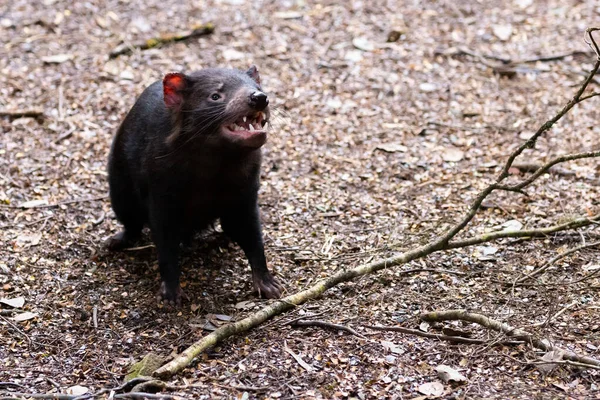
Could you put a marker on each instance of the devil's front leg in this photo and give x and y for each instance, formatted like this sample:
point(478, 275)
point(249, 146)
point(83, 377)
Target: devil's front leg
point(242, 224)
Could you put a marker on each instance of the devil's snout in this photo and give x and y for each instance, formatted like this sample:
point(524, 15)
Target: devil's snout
point(258, 100)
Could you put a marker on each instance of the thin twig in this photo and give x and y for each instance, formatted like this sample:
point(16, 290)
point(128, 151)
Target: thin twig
point(564, 362)
point(327, 325)
point(60, 203)
point(531, 167)
point(145, 396)
point(148, 246)
point(540, 232)
point(546, 167)
point(17, 329)
point(298, 358)
point(448, 338)
point(555, 259)
point(95, 316)
point(462, 315)
point(197, 31)
point(13, 114)
point(558, 314)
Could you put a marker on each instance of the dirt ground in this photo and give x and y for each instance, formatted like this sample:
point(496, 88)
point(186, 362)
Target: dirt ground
point(374, 144)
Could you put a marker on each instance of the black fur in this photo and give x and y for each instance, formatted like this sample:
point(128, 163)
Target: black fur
point(172, 167)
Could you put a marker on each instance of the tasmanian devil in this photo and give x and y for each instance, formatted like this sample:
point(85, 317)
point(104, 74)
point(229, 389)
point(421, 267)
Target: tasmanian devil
point(188, 153)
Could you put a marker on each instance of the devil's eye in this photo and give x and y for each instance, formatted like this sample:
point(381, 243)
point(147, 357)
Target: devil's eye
point(215, 96)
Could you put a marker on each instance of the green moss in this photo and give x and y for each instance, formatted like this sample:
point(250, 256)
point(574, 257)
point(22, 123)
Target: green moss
point(145, 367)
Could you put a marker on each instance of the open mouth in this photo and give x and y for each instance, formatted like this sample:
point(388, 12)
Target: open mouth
point(249, 123)
point(248, 130)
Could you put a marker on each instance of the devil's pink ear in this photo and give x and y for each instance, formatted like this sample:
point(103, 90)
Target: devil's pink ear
point(174, 85)
point(253, 73)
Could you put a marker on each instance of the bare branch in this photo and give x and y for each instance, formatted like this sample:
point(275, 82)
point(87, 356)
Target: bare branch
point(448, 338)
point(541, 232)
point(327, 325)
point(546, 167)
point(462, 315)
point(555, 259)
point(197, 31)
point(441, 243)
point(558, 314)
point(589, 39)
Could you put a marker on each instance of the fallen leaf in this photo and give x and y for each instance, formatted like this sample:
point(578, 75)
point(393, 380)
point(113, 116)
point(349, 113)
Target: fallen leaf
point(77, 390)
point(502, 32)
point(24, 316)
point(363, 44)
point(512, 225)
point(244, 305)
point(424, 326)
point(564, 388)
point(523, 3)
point(223, 317)
point(487, 250)
point(33, 203)
point(31, 240)
point(452, 154)
point(590, 267)
point(353, 55)
point(448, 374)
point(288, 15)
point(392, 147)
point(57, 58)
point(428, 87)
point(450, 331)
point(17, 302)
point(231, 54)
point(334, 103)
point(432, 389)
point(298, 359)
point(553, 355)
point(390, 359)
point(126, 75)
point(390, 346)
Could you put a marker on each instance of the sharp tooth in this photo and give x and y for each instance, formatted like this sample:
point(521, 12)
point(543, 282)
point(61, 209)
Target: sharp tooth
point(251, 127)
point(237, 127)
point(244, 119)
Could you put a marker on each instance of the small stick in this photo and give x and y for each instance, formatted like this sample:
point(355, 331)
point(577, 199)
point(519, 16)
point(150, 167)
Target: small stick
point(64, 136)
point(148, 246)
point(455, 339)
point(197, 31)
point(14, 114)
point(555, 259)
point(531, 167)
point(328, 325)
point(59, 203)
point(16, 328)
point(12, 384)
point(50, 396)
point(558, 314)
point(144, 396)
point(462, 315)
point(298, 359)
point(243, 387)
point(564, 362)
point(95, 316)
